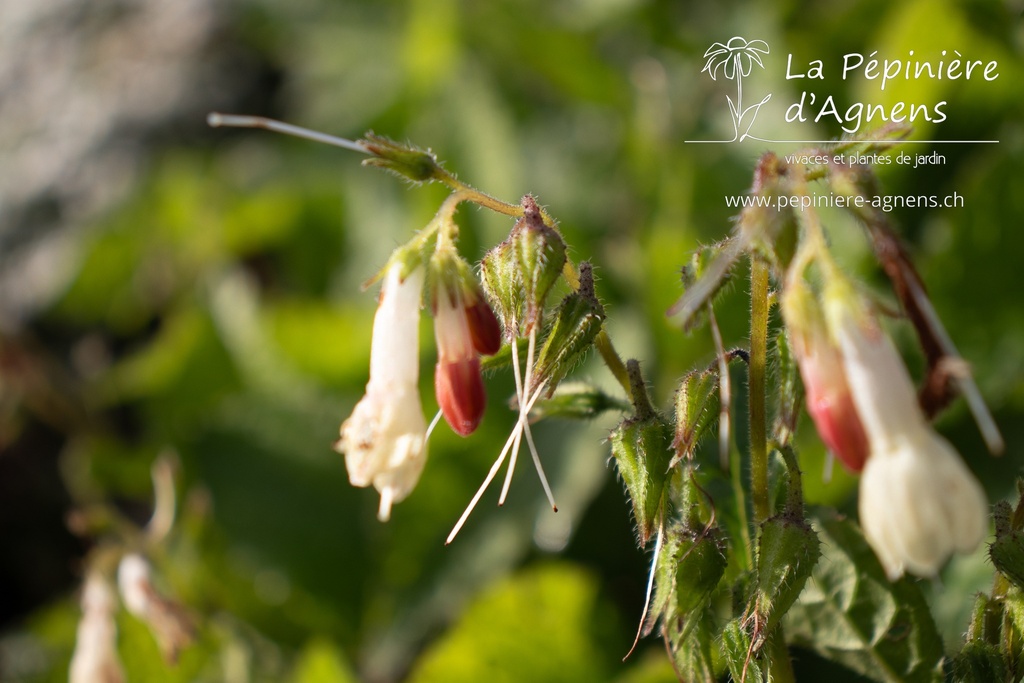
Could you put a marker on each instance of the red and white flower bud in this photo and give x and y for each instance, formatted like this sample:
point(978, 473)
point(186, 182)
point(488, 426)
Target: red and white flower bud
point(918, 502)
point(95, 658)
point(828, 397)
point(384, 440)
point(457, 380)
point(484, 327)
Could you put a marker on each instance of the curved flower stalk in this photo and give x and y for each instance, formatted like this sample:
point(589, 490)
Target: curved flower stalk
point(384, 440)
point(95, 659)
point(736, 60)
point(918, 502)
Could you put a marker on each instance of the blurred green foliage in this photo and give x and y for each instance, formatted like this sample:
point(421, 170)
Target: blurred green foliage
point(218, 313)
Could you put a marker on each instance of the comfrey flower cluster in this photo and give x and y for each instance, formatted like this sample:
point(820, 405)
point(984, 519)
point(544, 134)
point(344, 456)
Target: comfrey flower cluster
point(719, 585)
point(385, 439)
point(919, 503)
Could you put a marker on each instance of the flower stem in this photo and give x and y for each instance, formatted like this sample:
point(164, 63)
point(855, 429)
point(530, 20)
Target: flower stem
point(756, 388)
point(781, 668)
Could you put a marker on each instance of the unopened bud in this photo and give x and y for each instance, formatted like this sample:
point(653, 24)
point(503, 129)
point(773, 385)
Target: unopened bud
point(463, 326)
point(484, 328)
point(770, 227)
point(499, 275)
point(743, 663)
point(641, 448)
point(697, 405)
point(787, 550)
point(540, 252)
point(1007, 550)
point(700, 562)
point(703, 278)
point(403, 160)
point(460, 393)
point(576, 326)
point(980, 661)
point(575, 401)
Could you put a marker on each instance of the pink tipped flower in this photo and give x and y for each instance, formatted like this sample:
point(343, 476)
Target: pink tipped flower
point(829, 401)
point(457, 380)
point(918, 501)
point(384, 441)
point(95, 659)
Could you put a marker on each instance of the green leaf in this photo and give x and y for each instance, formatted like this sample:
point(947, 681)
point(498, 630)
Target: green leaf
point(544, 624)
point(652, 668)
point(321, 662)
point(738, 655)
point(849, 612)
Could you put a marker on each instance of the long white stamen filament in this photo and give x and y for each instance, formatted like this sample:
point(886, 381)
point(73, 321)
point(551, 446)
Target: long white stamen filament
point(650, 587)
point(515, 446)
point(217, 120)
point(430, 427)
point(521, 395)
point(724, 392)
point(516, 431)
point(965, 382)
point(540, 468)
point(524, 419)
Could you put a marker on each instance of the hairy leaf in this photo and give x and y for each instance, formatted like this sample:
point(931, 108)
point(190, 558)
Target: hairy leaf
point(852, 614)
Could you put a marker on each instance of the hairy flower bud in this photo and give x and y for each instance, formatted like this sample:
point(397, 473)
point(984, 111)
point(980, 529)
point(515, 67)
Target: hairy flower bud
point(697, 404)
point(402, 160)
point(577, 323)
point(918, 501)
point(1007, 550)
point(384, 439)
point(787, 550)
point(641, 446)
point(499, 275)
point(540, 252)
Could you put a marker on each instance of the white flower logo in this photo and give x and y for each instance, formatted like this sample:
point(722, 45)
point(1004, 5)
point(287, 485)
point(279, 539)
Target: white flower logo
point(736, 60)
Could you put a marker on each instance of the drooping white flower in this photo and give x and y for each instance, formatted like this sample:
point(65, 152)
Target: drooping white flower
point(95, 658)
point(384, 439)
point(918, 502)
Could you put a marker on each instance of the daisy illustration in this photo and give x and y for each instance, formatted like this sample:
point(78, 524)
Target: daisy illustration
point(735, 60)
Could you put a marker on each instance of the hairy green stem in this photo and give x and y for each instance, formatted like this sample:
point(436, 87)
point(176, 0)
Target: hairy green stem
point(756, 389)
point(780, 669)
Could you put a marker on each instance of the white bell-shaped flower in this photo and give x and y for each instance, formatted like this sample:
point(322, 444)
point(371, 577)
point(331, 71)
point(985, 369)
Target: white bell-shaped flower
point(95, 659)
point(918, 502)
point(384, 439)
